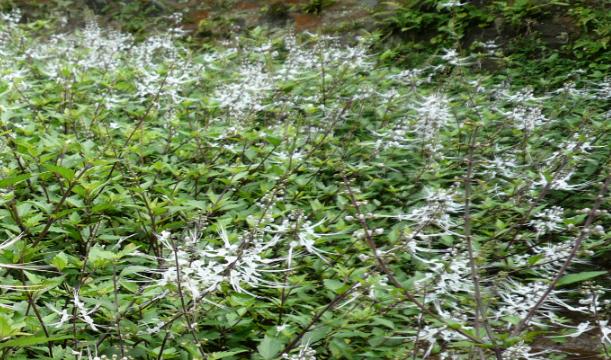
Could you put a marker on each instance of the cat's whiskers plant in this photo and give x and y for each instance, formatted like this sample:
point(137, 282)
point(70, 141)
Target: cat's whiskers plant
point(290, 198)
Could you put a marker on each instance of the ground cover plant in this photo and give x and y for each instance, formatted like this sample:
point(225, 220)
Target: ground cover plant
point(294, 199)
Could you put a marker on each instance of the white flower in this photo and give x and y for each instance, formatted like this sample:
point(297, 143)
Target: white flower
point(606, 331)
point(306, 235)
point(82, 312)
point(64, 315)
point(561, 182)
point(439, 205)
point(305, 352)
point(281, 328)
point(206, 269)
point(526, 118)
point(450, 3)
point(549, 220)
point(580, 329)
point(284, 157)
point(451, 55)
point(522, 351)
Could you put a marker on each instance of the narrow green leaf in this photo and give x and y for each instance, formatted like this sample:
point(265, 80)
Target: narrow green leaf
point(10, 181)
point(384, 322)
point(224, 354)
point(26, 340)
point(5, 328)
point(534, 259)
point(573, 278)
point(201, 205)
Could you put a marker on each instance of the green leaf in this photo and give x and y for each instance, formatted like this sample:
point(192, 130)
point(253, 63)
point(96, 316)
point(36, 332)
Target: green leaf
point(224, 354)
point(33, 277)
point(98, 254)
point(534, 259)
point(158, 165)
point(274, 140)
point(26, 340)
point(515, 320)
point(130, 286)
point(60, 261)
point(269, 347)
point(202, 205)
point(333, 285)
point(384, 322)
point(239, 176)
point(558, 339)
point(10, 181)
point(66, 212)
point(318, 334)
point(7, 115)
point(5, 328)
point(316, 205)
point(68, 174)
point(573, 278)
point(338, 347)
point(509, 342)
point(469, 344)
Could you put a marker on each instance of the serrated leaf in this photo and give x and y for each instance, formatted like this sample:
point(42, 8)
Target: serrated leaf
point(333, 285)
point(97, 253)
point(60, 261)
point(269, 348)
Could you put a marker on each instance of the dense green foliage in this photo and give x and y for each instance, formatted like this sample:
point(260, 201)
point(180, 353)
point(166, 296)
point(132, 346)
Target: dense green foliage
point(278, 197)
point(537, 37)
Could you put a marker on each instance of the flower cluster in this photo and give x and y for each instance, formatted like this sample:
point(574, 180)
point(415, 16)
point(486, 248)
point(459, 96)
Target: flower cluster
point(81, 313)
point(202, 271)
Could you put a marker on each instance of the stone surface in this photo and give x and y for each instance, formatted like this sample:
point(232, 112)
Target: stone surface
point(585, 345)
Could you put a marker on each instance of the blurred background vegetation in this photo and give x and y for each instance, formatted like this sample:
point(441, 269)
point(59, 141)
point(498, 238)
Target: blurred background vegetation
point(534, 40)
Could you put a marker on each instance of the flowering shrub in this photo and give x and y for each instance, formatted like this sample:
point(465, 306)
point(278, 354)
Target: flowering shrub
point(291, 199)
